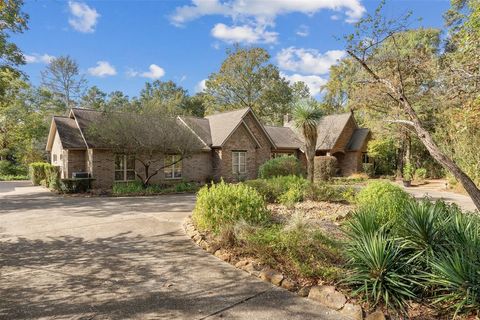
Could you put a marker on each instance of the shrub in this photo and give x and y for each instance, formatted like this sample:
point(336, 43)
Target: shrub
point(420, 174)
point(7, 168)
point(130, 187)
point(319, 191)
point(408, 172)
point(185, 187)
point(13, 177)
point(281, 166)
point(368, 169)
point(75, 185)
point(380, 271)
point(292, 196)
point(325, 167)
point(52, 177)
point(273, 188)
point(384, 198)
point(224, 204)
point(37, 172)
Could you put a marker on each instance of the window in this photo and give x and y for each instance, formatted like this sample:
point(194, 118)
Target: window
point(54, 158)
point(124, 167)
point(239, 162)
point(173, 166)
point(365, 158)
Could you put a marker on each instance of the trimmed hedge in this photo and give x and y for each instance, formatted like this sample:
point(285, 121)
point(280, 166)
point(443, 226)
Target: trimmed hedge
point(281, 166)
point(37, 172)
point(325, 168)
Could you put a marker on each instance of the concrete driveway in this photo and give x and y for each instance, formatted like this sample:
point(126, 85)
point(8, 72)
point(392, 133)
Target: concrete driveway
point(121, 258)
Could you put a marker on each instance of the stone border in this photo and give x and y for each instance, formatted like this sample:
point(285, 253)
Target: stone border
point(327, 296)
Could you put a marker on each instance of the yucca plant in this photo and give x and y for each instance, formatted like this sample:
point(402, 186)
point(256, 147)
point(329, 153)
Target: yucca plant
point(422, 230)
point(456, 278)
point(364, 222)
point(380, 272)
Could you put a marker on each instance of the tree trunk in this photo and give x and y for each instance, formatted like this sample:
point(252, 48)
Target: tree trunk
point(310, 166)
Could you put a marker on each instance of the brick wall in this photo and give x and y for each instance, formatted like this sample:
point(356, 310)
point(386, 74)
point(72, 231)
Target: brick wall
point(75, 162)
point(102, 168)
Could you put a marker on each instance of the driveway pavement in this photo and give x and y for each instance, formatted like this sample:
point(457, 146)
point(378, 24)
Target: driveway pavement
point(121, 258)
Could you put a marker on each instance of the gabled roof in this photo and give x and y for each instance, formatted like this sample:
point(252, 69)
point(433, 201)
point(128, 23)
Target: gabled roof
point(68, 131)
point(284, 137)
point(200, 126)
point(85, 117)
point(222, 125)
point(357, 141)
point(330, 128)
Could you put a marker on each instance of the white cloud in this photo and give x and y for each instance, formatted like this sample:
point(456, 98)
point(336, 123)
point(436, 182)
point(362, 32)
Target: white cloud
point(245, 34)
point(313, 82)
point(38, 58)
point(200, 86)
point(303, 31)
point(308, 61)
point(263, 11)
point(103, 69)
point(154, 72)
point(83, 17)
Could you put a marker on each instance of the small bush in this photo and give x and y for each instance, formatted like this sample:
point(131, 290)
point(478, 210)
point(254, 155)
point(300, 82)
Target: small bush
point(319, 191)
point(292, 196)
point(185, 187)
point(281, 166)
point(7, 168)
point(408, 172)
point(420, 174)
point(384, 198)
point(130, 187)
point(369, 169)
point(37, 172)
point(225, 204)
point(273, 188)
point(75, 185)
point(325, 168)
point(52, 177)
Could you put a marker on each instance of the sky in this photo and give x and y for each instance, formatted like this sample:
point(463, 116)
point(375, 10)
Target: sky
point(121, 44)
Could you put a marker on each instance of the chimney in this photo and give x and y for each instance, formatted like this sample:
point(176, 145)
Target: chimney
point(287, 118)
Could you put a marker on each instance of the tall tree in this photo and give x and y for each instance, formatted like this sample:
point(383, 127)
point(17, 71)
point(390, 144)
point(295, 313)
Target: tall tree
point(12, 20)
point(147, 137)
point(246, 79)
point(163, 96)
point(117, 101)
point(306, 116)
point(62, 77)
point(407, 78)
point(94, 98)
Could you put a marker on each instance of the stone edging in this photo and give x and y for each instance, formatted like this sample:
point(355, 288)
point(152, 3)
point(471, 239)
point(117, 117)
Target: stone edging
point(328, 296)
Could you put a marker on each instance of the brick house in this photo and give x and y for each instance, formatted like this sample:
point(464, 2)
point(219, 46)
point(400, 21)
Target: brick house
point(235, 144)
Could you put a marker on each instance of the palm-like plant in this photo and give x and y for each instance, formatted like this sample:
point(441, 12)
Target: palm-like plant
point(306, 116)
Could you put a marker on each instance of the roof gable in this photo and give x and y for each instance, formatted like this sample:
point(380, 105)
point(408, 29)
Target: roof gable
point(68, 132)
point(330, 128)
point(358, 139)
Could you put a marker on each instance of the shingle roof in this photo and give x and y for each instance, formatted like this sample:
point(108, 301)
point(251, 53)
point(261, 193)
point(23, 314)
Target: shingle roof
point(284, 137)
point(329, 130)
point(84, 118)
point(358, 139)
point(69, 134)
point(223, 124)
point(200, 126)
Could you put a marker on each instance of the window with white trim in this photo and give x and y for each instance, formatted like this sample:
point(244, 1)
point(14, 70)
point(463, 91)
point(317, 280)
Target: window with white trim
point(124, 167)
point(173, 166)
point(239, 162)
point(54, 158)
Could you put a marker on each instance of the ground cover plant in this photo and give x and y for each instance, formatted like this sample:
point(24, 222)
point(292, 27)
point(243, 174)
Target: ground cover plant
point(136, 188)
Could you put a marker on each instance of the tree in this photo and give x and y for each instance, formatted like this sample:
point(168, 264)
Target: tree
point(63, 79)
point(195, 105)
point(12, 20)
point(148, 136)
point(306, 116)
point(246, 79)
point(94, 99)
point(163, 96)
point(118, 101)
point(406, 78)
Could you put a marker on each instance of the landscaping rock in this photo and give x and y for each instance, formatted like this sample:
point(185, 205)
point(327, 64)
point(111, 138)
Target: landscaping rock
point(241, 264)
point(289, 285)
point(328, 296)
point(212, 248)
point(352, 311)
point(277, 279)
point(223, 254)
point(377, 315)
point(304, 291)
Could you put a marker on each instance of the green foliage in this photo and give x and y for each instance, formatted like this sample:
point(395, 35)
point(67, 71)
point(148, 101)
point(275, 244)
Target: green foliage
point(37, 172)
point(408, 171)
point(273, 188)
point(52, 177)
point(386, 199)
point(126, 188)
point(321, 191)
point(325, 168)
point(369, 169)
point(420, 174)
point(7, 168)
point(384, 151)
point(291, 196)
point(136, 188)
point(223, 204)
point(281, 166)
point(13, 177)
point(379, 270)
point(75, 185)
point(295, 248)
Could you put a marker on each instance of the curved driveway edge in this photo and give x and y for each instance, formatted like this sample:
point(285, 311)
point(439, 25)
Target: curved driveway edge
point(121, 258)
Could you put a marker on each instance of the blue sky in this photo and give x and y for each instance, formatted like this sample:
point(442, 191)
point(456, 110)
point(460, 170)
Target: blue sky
point(121, 44)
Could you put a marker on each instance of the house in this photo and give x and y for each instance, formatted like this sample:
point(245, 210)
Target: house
point(235, 144)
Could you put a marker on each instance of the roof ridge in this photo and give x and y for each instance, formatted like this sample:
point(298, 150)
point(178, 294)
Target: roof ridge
point(189, 116)
point(85, 109)
point(230, 111)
